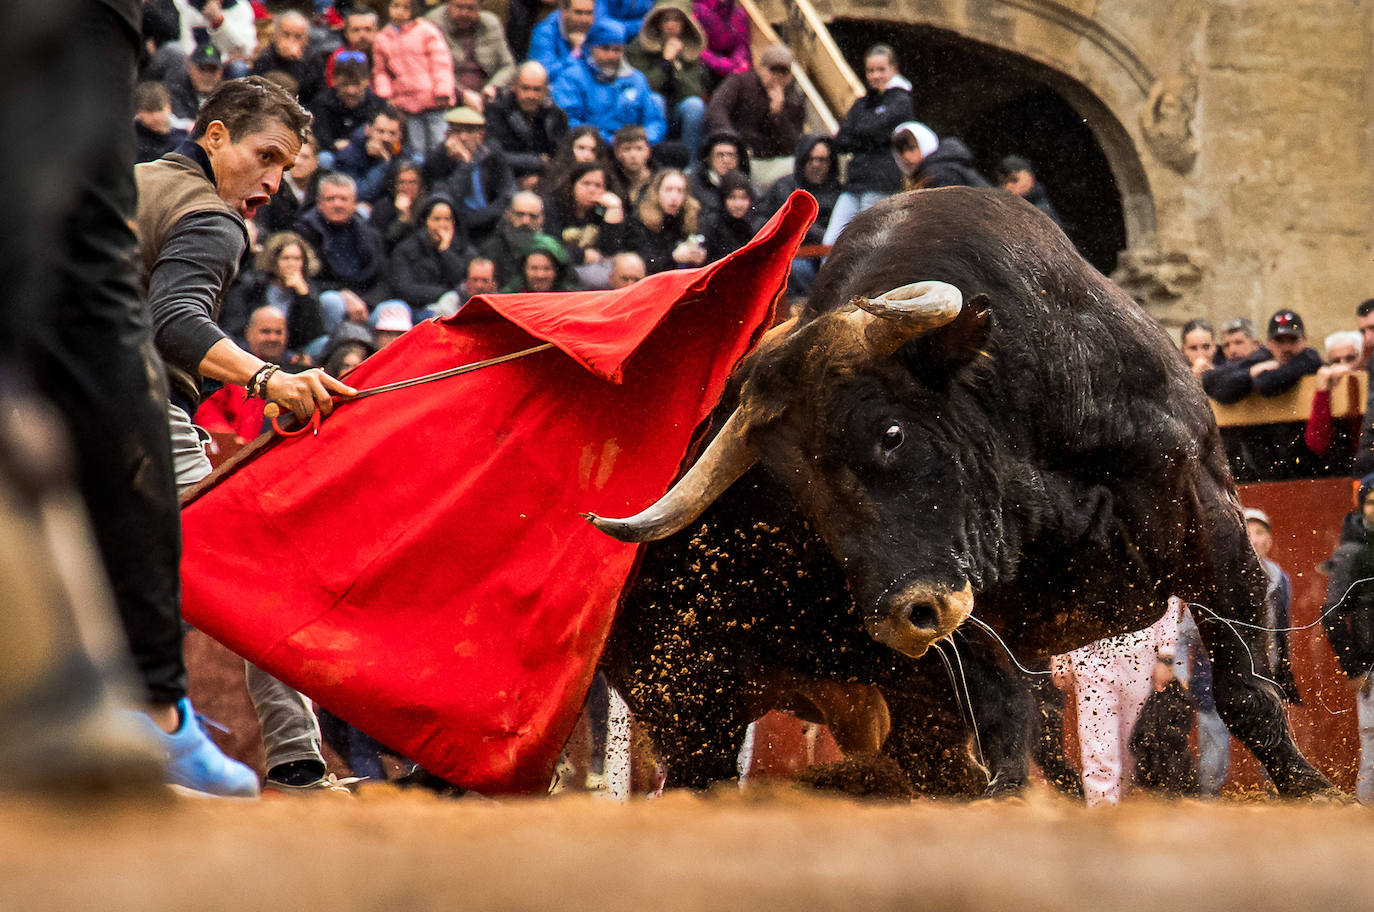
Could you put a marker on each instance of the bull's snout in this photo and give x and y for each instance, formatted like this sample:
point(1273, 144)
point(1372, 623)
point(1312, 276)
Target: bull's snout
point(918, 615)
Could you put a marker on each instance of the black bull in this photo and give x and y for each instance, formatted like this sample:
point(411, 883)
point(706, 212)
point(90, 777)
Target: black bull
point(974, 421)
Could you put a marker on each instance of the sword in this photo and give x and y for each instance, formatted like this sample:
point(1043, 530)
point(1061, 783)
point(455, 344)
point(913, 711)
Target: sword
point(272, 410)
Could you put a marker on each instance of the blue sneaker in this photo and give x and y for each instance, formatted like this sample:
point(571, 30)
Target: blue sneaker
point(195, 762)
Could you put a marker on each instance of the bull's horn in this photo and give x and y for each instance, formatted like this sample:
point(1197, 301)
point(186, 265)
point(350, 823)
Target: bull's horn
point(896, 317)
point(725, 460)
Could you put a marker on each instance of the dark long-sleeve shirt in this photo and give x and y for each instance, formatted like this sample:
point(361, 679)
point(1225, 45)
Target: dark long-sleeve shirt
point(1230, 382)
point(1284, 377)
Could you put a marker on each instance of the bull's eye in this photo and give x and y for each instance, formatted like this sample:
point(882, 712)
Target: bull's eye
point(893, 437)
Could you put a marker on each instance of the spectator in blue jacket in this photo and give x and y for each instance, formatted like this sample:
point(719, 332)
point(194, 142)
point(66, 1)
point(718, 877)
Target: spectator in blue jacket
point(606, 92)
point(557, 41)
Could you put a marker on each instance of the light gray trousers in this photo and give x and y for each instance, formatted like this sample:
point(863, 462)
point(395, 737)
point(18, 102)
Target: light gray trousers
point(290, 730)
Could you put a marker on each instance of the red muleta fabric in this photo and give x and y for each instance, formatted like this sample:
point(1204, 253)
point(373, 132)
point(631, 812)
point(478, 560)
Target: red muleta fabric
point(421, 568)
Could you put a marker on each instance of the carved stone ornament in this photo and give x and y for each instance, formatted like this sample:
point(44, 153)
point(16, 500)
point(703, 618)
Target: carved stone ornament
point(1166, 119)
point(1156, 278)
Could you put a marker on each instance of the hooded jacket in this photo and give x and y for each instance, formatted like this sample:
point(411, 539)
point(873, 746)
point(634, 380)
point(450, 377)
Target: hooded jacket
point(825, 192)
point(673, 80)
point(1348, 614)
point(949, 165)
point(867, 134)
point(421, 272)
point(565, 278)
point(703, 183)
point(588, 97)
point(723, 233)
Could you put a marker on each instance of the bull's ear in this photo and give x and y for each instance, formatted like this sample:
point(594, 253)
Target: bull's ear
point(938, 355)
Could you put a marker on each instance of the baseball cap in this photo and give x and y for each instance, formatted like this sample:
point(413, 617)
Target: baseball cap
point(392, 316)
point(1286, 323)
point(205, 55)
point(1258, 515)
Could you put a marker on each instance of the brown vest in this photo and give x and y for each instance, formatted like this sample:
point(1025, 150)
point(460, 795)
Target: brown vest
point(169, 189)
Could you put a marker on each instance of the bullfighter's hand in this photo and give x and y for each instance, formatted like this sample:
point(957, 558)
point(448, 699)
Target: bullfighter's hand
point(304, 392)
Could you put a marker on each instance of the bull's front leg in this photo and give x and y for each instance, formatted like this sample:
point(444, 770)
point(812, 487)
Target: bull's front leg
point(998, 709)
point(1248, 704)
point(1252, 710)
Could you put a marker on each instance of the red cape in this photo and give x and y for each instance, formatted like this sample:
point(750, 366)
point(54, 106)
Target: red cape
point(421, 568)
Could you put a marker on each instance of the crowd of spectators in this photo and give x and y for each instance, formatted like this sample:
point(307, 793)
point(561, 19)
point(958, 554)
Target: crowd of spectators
point(455, 148)
point(1234, 365)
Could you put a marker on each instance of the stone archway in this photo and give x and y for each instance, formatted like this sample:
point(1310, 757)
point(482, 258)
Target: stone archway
point(1001, 103)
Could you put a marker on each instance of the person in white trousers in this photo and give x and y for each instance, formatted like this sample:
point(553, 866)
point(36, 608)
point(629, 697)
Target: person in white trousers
point(1112, 678)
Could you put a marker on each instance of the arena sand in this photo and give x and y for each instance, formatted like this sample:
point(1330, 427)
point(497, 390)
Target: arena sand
point(771, 847)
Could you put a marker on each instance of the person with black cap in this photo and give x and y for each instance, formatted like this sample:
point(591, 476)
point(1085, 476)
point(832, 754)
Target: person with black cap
point(203, 73)
point(1293, 358)
point(1348, 616)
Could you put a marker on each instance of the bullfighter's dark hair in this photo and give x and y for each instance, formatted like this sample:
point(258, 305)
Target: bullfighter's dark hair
point(246, 105)
point(1365, 308)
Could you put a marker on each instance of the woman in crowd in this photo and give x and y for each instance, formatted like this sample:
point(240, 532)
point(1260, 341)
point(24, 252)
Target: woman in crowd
point(1199, 346)
point(581, 145)
point(867, 133)
point(732, 227)
point(665, 231)
point(434, 259)
point(589, 220)
point(544, 267)
point(280, 278)
point(394, 214)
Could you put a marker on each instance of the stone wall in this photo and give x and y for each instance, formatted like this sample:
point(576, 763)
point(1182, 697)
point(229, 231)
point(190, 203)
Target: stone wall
point(1239, 133)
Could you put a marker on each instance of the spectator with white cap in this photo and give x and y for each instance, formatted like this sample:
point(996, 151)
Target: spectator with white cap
point(390, 321)
point(927, 161)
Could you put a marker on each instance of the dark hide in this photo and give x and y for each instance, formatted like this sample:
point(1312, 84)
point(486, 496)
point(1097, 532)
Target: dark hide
point(748, 589)
point(1054, 452)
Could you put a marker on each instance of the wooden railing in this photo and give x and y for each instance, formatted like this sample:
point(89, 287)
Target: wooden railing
point(1347, 398)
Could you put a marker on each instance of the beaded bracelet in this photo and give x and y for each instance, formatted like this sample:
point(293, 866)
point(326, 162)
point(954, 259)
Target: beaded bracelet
point(257, 386)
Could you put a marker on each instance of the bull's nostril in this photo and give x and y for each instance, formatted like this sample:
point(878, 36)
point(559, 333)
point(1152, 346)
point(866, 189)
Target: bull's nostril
point(923, 615)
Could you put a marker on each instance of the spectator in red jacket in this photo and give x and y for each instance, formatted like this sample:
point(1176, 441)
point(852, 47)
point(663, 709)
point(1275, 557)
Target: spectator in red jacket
point(1329, 438)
